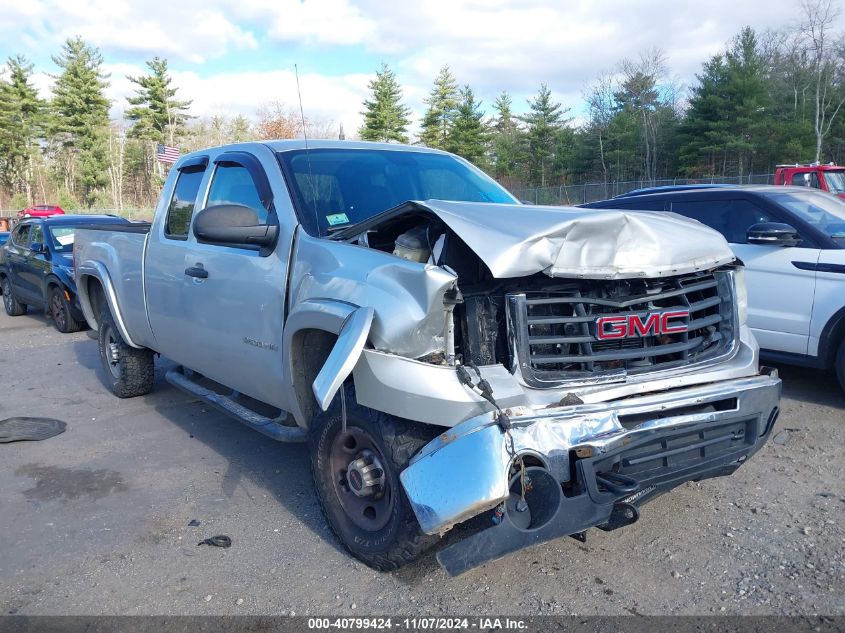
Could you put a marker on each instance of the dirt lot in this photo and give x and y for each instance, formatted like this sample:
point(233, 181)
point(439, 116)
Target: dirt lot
point(95, 521)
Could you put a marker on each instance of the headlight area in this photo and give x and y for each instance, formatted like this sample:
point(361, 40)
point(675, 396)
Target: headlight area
point(741, 295)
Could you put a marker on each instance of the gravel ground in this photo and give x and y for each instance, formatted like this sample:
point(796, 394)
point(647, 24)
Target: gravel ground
point(95, 521)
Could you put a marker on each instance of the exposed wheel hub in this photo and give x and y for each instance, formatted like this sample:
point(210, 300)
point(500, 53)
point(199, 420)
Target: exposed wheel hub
point(114, 354)
point(365, 475)
point(360, 479)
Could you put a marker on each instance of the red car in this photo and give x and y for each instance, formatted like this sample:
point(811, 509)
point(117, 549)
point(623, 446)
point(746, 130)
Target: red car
point(41, 211)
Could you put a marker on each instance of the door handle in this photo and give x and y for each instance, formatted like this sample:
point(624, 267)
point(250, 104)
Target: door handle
point(197, 271)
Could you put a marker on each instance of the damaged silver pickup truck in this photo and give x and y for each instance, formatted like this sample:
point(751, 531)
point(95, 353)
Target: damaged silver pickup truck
point(451, 356)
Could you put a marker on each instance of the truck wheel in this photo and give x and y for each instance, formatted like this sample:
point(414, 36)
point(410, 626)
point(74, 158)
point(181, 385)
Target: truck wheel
point(356, 474)
point(12, 305)
point(60, 311)
point(129, 370)
point(840, 364)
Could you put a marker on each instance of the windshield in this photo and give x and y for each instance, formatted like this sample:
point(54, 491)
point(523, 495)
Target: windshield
point(835, 181)
point(335, 188)
point(61, 238)
point(822, 210)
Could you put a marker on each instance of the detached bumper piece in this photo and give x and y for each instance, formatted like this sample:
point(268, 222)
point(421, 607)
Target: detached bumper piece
point(706, 432)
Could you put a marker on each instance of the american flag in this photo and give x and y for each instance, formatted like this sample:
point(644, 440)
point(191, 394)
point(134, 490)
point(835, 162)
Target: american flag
point(166, 153)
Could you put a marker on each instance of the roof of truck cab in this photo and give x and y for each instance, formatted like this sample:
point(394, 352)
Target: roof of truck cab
point(298, 144)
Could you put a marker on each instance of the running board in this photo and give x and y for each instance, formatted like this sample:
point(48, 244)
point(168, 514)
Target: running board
point(268, 426)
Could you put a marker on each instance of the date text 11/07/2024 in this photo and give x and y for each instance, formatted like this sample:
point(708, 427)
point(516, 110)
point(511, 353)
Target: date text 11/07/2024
point(419, 623)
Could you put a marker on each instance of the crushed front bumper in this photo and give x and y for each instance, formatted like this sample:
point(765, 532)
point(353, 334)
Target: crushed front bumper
point(591, 465)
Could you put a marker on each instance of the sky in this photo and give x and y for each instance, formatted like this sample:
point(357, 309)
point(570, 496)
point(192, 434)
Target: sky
point(233, 57)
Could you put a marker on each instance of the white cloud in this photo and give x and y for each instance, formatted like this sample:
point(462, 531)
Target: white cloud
point(187, 29)
point(490, 44)
point(324, 99)
point(311, 21)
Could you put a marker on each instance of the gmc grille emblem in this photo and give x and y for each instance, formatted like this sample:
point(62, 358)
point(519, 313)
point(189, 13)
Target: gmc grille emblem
point(653, 323)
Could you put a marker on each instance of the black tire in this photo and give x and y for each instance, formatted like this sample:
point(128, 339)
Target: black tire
point(12, 305)
point(840, 364)
point(60, 312)
point(399, 540)
point(129, 371)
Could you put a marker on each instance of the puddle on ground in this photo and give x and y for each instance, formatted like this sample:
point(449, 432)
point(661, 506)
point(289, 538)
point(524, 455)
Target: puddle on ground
point(65, 484)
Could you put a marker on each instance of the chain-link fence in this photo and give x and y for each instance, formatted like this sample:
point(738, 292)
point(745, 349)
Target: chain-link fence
point(593, 191)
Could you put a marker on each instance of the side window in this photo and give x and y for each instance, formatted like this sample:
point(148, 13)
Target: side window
point(182, 204)
point(806, 179)
point(36, 234)
point(731, 218)
point(21, 235)
point(232, 184)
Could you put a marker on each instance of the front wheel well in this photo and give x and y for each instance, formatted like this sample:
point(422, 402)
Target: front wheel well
point(309, 349)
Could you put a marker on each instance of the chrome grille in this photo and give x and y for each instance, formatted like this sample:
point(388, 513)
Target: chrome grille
point(554, 335)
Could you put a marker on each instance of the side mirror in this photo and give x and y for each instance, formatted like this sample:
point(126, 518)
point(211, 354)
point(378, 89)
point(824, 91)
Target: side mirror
point(773, 234)
point(36, 247)
point(234, 224)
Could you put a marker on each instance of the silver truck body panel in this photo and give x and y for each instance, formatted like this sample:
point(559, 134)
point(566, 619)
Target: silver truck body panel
point(428, 393)
point(520, 240)
point(407, 297)
point(116, 260)
point(343, 357)
point(239, 310)
point(441, 497)
point(433, 394)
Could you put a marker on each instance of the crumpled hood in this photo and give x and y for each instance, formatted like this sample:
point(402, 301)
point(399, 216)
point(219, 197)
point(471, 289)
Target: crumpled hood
point(519, 240)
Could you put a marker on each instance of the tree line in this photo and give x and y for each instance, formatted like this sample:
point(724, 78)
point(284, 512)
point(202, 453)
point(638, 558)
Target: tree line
point(66, 150)
point(767, 98)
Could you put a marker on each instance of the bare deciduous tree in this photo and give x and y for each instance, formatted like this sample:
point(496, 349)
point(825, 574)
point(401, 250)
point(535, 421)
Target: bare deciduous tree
point(827, 62)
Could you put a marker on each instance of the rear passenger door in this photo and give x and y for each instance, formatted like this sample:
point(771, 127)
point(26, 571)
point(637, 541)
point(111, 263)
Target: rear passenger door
point(780, 296)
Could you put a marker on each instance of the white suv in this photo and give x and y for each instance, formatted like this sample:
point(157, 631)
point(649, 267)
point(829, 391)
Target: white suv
point(792, 242)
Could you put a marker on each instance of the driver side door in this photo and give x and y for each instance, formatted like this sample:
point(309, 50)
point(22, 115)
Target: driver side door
point(232, 298)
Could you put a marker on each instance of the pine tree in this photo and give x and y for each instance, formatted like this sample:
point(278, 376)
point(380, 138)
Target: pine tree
point(544, 122)
point(158, 116)
point(467, 136)
point(729, 119)
point(385, 117)
point(442, 102)
point(505, 141)
point(21, 124)
point(80, 117)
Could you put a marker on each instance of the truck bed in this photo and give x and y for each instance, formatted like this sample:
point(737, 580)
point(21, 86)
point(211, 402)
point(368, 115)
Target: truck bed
point(114, 254)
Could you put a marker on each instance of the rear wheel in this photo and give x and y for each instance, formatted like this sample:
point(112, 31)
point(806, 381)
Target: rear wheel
point(129, 370)
point(12, 305)
point(356, 475)
point(840, 364)
point(60, 311)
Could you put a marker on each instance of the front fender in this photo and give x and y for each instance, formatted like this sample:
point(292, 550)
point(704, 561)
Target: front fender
point(326, 315)
point(343, 357)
